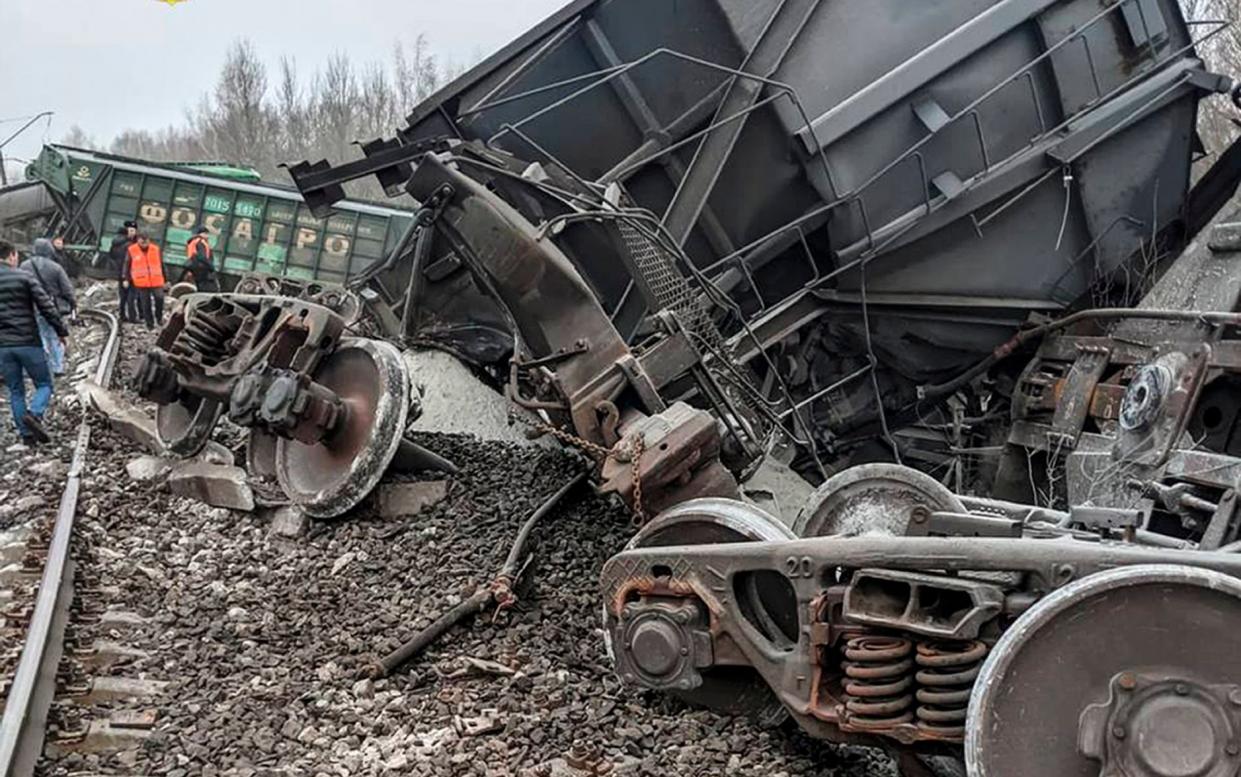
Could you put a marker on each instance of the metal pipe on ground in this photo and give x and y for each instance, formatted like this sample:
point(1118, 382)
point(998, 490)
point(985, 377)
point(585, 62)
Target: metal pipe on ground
point(412, 457)
point(499, 593)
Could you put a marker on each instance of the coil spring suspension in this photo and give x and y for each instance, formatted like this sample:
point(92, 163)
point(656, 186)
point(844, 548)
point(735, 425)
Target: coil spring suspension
point(879, 682)
point(203, 336)
point(946, 674)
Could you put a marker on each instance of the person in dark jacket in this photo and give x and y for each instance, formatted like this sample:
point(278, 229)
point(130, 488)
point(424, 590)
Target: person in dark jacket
point(199, 267)
point(119, 254)
point(70, 263)
point(55, 281)
point(21, 351)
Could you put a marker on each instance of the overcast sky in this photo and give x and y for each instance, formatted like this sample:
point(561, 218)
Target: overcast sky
point(107, 65)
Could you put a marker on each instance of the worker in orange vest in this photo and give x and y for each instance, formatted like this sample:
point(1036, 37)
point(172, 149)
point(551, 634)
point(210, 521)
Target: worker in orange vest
point(199, 267)
point(146, 276)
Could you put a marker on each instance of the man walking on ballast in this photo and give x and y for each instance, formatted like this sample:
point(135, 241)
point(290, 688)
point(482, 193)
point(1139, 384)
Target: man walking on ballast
point(21, 350)
point(55, 281)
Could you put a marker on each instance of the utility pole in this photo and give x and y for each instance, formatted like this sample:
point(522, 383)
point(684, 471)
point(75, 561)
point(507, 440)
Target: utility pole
point(4, 175)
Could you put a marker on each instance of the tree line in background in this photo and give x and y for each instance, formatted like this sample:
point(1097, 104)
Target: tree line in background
point(262, 120)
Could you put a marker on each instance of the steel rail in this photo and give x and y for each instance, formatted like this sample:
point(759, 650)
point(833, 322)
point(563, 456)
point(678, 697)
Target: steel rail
point(24, 724)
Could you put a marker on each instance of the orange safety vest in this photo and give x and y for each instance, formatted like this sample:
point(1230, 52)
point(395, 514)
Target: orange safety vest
point(192, 246)
point(145, 267)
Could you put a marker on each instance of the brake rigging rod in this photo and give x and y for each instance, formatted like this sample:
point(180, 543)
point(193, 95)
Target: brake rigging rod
point(499, 593)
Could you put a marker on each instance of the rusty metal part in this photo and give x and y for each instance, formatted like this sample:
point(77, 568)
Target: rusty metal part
point(1131, 389)
point(663, 611)
point(211, 342)
point(1156, 724)
point(1158, 405)
point(571, 362)
point(1118, 626)
point(333, 296)
point(565, 333)
point(668, 458)
point(807, 675)
point(588, 759)
point(665, 642)
point(946, 674)
point(286, 403)
point(873, 498)
point(500, 592)
point(1145, 396)
point(878, 685)
point(923, 604)
point(327, 478)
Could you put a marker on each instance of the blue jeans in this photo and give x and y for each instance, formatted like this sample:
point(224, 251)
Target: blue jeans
point(53, 349)
point(15, 363)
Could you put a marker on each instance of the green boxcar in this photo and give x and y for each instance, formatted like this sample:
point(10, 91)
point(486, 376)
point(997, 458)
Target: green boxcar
point(252, 227)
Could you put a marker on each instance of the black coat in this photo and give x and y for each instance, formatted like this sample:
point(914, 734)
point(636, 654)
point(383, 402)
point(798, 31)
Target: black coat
point(118, 252)
point(20, 296)
point(200, 265)
point(51, 276)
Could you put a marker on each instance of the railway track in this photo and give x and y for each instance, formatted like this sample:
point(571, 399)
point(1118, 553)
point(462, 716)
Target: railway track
point(33, 685)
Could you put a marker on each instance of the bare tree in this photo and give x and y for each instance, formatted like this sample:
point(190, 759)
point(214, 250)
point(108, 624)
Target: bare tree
point(248, 120)
point(236, 123)
point(416, 75)
point(171, 144)
point(336, 96)
point(78, 138)
point(293, 119)
point(378, 111)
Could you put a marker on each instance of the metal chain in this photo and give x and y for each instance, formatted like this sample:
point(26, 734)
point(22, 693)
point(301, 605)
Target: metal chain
point(639, 445)
point(634, 451)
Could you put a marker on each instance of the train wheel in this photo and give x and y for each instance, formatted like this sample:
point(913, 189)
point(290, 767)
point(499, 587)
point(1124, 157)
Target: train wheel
point(180, 290)
point(872, 498)
point(330, 477)
point(1132, 671)
point(769, 600)
point(185, 426)
point(261, 454)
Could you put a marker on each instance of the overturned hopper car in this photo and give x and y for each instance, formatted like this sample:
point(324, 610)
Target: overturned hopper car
point(253, 228)
point(844, 185)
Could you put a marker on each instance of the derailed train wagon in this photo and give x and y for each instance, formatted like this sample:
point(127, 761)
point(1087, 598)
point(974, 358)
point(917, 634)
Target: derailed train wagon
point(253, 228)
point(851, 184)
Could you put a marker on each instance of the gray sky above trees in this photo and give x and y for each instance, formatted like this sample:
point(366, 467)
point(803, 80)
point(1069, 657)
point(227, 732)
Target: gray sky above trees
point(108, 65)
